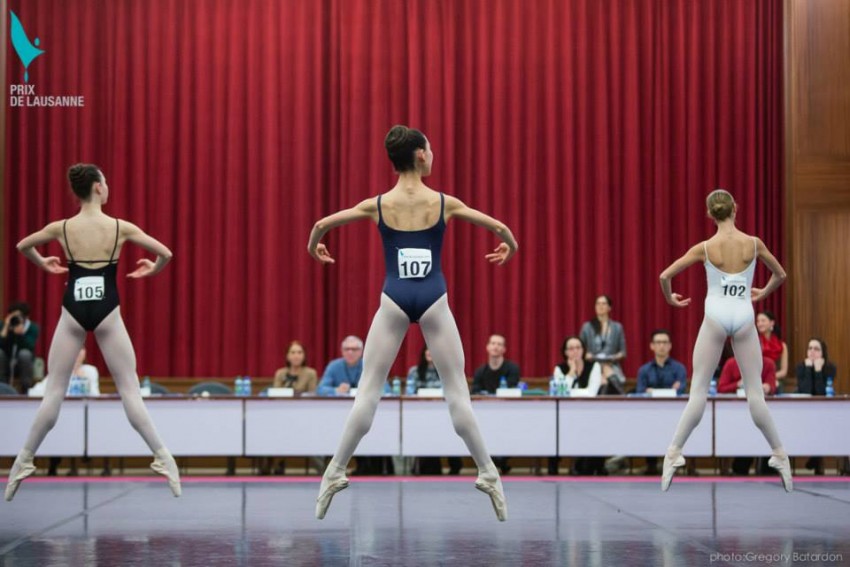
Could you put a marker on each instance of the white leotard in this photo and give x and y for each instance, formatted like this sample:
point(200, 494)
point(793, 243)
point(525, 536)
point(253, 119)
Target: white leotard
point(728, 301)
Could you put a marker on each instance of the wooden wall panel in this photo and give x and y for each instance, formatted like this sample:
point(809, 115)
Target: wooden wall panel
point(820, 276)
point(817, 78)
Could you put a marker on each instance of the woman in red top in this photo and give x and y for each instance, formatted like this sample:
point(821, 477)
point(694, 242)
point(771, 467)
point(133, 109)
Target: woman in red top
point(772, 345)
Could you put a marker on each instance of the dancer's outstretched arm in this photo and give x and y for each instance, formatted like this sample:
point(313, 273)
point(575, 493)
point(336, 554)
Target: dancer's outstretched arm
point(456, 208)
point(367, 209)
point(694, 255)
point(136, 235)
point(50, 264)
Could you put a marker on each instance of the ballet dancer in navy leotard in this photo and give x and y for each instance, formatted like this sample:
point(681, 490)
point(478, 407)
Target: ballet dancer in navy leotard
point(91, 304)
point(412, 218)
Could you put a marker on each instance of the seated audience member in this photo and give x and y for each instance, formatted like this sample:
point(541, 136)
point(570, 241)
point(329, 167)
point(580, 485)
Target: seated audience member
point(730, 381)
point(813, 372)
point(605, 343)
point(424, 375)
point(17, 347)
point(660, 373)
point(579, 373)
point(772, 345)
point(488, 377)
point(812, 375)
point(342, 374)
point(663, 372)
point(587, 376)
point(296, 374)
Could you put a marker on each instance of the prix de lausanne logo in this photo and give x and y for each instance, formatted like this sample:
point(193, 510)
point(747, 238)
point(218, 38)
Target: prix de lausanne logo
point(25, 94)
point(26, 50)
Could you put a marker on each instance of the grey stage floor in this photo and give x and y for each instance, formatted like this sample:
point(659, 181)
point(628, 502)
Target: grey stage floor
point(255, 522)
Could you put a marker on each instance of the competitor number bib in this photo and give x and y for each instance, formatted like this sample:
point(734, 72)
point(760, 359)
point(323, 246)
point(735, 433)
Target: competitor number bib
point(734, 286)
point(89, 288)
point(414, 263)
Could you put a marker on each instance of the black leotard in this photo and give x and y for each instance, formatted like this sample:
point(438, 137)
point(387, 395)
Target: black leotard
point(91, 293)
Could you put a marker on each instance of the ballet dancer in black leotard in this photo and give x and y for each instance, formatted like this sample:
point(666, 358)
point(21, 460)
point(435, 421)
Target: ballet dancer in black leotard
point(91, 304)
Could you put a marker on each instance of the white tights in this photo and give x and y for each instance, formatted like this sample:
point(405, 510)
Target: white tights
point(385, 335)
point(114, 343)
point(707, 351)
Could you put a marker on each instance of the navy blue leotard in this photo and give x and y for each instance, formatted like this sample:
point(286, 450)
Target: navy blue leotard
point(414, 279)
point(91, 293)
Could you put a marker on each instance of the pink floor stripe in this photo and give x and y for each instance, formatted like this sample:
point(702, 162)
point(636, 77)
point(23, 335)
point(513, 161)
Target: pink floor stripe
point(428, 479)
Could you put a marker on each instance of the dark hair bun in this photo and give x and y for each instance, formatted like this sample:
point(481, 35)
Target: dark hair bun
point(401, 143)
point(82, 176)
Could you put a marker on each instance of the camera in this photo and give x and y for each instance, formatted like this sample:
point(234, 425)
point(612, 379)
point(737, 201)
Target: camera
point(15, 321)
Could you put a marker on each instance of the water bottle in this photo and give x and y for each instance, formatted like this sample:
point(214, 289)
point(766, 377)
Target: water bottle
point(712, 387)
point(238, 387)
point(396, 386)
point(553, 387)
point(246, 384)
point(503, 383)
point(566, 387)
point(830, 389)
point(146, 383)
point(74, 387)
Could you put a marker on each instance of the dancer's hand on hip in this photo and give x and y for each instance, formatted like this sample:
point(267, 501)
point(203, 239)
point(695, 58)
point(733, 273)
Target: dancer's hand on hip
point(146, 268)
point(52, 265)
point(676, 300)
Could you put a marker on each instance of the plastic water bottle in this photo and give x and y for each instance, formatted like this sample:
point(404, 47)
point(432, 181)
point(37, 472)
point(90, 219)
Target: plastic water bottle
point(246, 384)
point(503, 383)
point(238, 386)
point(396, 386)
point(830, 389)
point(146, 383)
point(712, 387)
point(74, 387)
point(565, 388)
point(553, 387)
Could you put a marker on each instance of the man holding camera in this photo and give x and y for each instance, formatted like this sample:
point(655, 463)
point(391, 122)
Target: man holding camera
point(17, 344)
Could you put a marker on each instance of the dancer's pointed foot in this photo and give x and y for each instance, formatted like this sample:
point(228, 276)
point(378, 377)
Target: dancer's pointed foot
point(783, 465)
point(490, 483)
point(327, 490)
point(21, 469)
point(165, 465)
point(672, 461)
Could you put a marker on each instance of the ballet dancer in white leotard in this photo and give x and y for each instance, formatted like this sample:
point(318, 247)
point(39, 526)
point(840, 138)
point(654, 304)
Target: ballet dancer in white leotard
point(730, 262)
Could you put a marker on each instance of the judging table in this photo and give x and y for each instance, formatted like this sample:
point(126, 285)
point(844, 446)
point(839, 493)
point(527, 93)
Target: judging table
point(412, 426)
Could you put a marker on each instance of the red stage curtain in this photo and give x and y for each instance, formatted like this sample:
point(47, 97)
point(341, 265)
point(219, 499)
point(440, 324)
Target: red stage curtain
point(226, 128)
